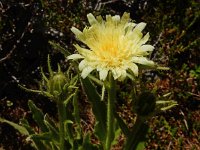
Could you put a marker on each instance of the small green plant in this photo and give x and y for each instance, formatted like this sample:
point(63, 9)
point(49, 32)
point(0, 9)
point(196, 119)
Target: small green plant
point(61, 89)
point(195, 73)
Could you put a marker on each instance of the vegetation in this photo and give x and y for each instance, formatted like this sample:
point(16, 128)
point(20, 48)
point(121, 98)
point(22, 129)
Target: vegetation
point(32, 30)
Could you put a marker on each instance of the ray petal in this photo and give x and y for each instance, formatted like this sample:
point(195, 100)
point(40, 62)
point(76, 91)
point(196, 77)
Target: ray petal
point(86, 71)
point(125, 18)
point(82, 65)
point(92, 20)
point(116, 18)
point(103, 74)
point(123, 75)
point(116, 73)
point(140, 26)
point(147, 48)
point(143, 61)
point(76, 31)
point(75, 56)
point(134, 68)
point(82, 51)
point(144, 39)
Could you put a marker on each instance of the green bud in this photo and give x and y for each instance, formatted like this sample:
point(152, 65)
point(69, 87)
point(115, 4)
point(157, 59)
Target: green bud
point(57, 83)
point(145, 104)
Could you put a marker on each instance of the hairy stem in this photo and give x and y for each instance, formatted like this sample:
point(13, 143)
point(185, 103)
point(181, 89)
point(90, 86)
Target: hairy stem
point(110, 114)
point(62, 116)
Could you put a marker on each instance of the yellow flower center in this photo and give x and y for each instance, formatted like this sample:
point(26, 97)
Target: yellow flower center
point(108, 47)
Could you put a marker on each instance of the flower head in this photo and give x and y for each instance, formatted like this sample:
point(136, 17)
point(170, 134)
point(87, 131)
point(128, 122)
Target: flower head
point(115, 44)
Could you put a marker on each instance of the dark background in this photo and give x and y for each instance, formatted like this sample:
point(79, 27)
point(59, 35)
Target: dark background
point(27, 26)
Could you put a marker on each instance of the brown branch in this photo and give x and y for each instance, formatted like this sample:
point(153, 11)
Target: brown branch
point(99, 4)
point(8, 55)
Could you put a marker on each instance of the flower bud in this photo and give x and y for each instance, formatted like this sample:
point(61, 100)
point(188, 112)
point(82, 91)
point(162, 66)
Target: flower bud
point(57, 83)
point(145, 104)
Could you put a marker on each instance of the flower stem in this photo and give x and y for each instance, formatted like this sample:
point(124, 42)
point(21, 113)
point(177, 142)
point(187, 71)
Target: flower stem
point(110, 114)
point(62, 116)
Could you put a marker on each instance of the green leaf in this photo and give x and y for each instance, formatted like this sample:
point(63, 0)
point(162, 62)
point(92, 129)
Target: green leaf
point(117, 132)
point(52, 128)
point(25, 124)
point(46, 139)
point(73, 81)
point(49, 66)
point(98, 107)
point(137, 137)
point(50, 121)
point(54, 147)
point(77, 116)
point(47, 136)
point(38, 116)
point(68, 132)
point(30, 90)
point(47, 94)
point(122, 125)
point(140, 146)
point(60, 48)
point(36, 143)
point(87, 145)
point(19, 128)
point(76, 108)
point(25, 129)
point(43, 76)
point(68, 99)
point(167, 104)
point(94, 79)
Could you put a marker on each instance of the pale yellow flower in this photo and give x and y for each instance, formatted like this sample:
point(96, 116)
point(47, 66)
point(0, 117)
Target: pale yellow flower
point(115, 45)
